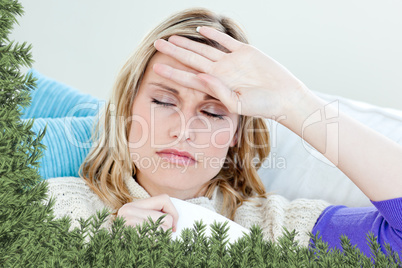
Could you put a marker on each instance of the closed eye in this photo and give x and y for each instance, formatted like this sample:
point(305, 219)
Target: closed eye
point(166, 104)
point(162, 103)
point(213, 115)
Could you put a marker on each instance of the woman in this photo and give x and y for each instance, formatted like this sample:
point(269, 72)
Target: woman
point(186, 120)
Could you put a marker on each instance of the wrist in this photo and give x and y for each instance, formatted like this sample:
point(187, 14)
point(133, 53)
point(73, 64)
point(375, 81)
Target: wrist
point(298, 108)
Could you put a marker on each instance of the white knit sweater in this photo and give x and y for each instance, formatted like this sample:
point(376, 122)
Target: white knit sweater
point(74, 198)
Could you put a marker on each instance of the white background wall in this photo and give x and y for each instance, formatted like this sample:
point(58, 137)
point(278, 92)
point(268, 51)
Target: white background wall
point(350, 48)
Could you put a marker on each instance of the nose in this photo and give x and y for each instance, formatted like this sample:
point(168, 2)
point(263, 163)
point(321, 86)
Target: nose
point(181, 127)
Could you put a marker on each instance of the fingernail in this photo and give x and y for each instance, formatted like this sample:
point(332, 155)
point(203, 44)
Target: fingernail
point(198, 29)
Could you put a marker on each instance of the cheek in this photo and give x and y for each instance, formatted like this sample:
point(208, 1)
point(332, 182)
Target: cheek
point(147, 126)
point(140, 128)
point(162, 119)
point(222, 135)
point(222, 139)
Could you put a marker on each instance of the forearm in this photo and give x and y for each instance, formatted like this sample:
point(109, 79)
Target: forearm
point(369, 159)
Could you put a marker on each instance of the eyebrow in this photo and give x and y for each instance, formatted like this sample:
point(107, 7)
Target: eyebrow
point(174, 91)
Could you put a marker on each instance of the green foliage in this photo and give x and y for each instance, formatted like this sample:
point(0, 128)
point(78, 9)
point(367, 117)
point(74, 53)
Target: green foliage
point(20, 191)
point(149, 245)
point(30, 236)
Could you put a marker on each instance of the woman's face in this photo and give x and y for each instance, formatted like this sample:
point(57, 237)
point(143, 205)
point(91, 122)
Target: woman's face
point(179, 137)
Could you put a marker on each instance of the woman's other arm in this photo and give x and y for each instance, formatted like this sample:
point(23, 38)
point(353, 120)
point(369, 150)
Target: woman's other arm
point(372, 161)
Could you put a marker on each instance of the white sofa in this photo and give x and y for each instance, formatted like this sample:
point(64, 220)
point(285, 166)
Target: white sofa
point(295, 170)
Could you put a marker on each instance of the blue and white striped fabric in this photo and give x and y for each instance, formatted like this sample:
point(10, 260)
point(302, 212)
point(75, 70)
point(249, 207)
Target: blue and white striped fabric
point(67, 142)
point(52, 99)
point(69, 116)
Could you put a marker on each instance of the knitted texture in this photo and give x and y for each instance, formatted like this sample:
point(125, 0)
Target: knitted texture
point(76, 199)
point(73, 198)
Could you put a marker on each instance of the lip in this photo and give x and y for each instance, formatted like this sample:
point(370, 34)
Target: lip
point(177, 153)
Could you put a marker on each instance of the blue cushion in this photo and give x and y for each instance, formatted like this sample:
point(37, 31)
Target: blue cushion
point(69, 116)
point(52, 99)
point(67, 142)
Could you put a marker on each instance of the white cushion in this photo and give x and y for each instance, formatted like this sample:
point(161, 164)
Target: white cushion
point(295, 170)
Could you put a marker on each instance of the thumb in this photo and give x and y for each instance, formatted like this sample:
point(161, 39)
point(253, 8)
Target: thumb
point(219, 90)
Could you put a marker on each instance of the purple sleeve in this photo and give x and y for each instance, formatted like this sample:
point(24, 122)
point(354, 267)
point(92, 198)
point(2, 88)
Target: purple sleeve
point(384, 220)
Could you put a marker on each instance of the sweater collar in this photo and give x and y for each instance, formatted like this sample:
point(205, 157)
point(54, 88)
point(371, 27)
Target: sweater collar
point(138, 192)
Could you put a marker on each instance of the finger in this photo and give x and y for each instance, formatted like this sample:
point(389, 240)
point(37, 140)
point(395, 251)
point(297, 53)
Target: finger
point(189, 58)
point(222, 38)
point(160, 203)
point(186, 79)
point(228, 97)
point(167, 222)
point(204, 50)
point(139, 216)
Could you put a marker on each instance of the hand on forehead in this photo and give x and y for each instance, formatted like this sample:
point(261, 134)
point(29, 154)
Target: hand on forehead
point(214, 66)
point(177, 74)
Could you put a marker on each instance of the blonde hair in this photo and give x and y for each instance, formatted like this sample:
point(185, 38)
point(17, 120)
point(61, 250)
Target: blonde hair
point(107, 164)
